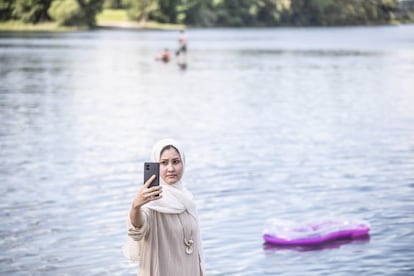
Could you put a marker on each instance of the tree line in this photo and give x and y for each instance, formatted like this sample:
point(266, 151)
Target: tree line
point(211, 13)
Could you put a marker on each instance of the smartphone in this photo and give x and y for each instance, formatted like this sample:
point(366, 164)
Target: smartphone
point(151, 168)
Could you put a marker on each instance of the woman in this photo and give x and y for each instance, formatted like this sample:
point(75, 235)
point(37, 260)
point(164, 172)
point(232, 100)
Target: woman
point(163, 220)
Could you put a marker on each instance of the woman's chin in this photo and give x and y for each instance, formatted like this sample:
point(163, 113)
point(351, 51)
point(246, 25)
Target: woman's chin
point(170, 181)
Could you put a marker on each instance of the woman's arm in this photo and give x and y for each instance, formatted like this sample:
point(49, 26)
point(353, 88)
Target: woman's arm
point(136, 217)
point(144, 196)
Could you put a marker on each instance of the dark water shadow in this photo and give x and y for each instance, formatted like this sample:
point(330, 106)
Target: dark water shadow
point(268, 247)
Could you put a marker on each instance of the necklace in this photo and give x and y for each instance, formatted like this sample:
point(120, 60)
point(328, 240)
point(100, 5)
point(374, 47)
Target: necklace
point(187, 242)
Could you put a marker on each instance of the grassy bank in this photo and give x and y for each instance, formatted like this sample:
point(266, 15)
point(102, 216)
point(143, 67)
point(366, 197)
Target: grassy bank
point(113, 19)
point(18, 26)
point(110, 18)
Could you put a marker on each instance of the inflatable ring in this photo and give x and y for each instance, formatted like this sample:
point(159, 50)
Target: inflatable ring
point(288, 233)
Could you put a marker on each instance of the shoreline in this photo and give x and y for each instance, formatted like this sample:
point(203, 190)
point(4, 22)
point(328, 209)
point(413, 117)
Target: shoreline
point(130, 25)
point(18, 26)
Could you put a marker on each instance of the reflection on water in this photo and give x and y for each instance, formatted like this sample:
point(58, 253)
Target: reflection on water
point(278, 123)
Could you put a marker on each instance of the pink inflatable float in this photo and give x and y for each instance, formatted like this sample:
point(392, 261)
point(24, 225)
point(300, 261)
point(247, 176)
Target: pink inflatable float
point(288, 233)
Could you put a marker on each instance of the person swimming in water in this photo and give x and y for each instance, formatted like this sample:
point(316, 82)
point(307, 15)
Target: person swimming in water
point(164, 56)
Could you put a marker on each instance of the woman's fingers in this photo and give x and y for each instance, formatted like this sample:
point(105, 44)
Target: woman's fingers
point(149, 181)
point(154, 189)
point(150, 194)
point(146, 194)
point(154, 198)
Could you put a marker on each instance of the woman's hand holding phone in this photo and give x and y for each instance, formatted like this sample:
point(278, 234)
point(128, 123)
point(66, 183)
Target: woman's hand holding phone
point(147, 194)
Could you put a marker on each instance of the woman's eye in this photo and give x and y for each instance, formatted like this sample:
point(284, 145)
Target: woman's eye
point(176, 162)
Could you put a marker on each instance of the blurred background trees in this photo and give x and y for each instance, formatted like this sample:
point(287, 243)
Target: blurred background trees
point(237, 13)
point(208, 13)
point(65, 12)
point(7, 8)
point(350, 12)
point(75, 12)
point(32, 11)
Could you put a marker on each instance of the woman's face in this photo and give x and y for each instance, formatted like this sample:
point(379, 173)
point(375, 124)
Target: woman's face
point(171, 166)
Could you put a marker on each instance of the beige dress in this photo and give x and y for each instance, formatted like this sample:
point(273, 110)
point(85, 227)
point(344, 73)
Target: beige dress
point(162, 251)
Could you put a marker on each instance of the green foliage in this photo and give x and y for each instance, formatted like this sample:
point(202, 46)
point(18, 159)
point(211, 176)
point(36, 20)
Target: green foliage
point(232, 13)
point(186, 8)
point(32, 11)
point(66, 12)
point(272, 12)
point(406, 14)
point(112, 15)
point(165, 11)
point(75, 12)
point(6, 9)
point(140, 9)
point(251, 12)
point(197, 13)
point(90, 9)
point(113, 4)
point(235, 13)
point(350, 12)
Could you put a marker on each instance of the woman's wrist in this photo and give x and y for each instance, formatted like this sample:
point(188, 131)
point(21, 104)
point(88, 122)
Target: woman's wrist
point(135, 216)
point(136, 207)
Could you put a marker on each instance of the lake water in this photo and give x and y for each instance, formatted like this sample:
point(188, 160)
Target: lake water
point(297, 124)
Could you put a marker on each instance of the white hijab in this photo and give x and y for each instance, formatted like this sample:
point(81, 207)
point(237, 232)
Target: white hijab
point(175, 197)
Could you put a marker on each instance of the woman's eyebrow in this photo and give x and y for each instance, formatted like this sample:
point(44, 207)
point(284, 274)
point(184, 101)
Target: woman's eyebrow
point(174, 158)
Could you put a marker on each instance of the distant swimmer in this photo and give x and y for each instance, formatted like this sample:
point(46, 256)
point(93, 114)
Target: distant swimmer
point(164, 56)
